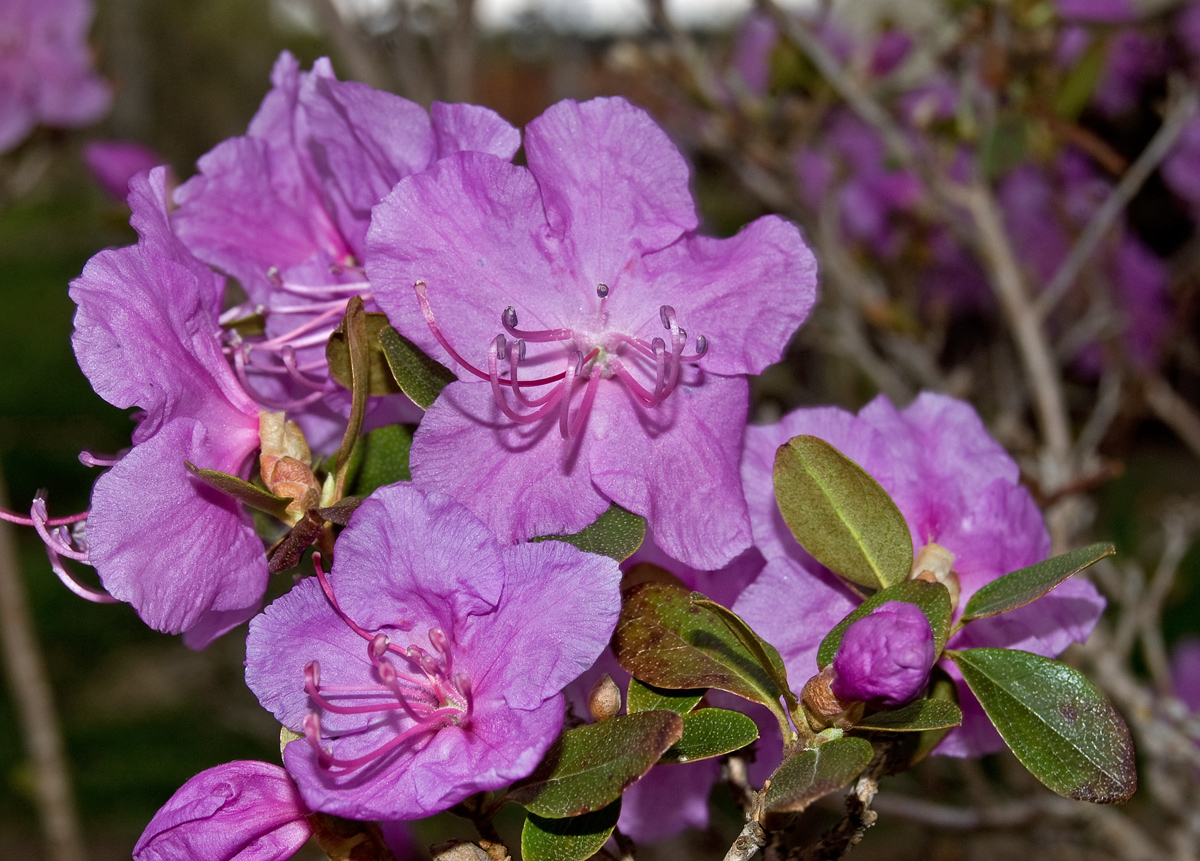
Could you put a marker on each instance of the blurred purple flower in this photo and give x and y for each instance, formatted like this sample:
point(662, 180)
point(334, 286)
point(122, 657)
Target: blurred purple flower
point(1181, 168)
point(114, 163)
point(885, 657)
point(46, 73)
point(756, 39)
point(1097, 11)
point(146, 335)
point(1185, 671)
point(956, 487)
point(239, 811)
point(285, 209)
point(429, 665)
point(593, 247)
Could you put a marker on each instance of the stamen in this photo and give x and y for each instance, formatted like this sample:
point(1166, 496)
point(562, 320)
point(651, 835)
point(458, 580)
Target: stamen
point(88, 594)
point(53, 540)
point(585, 405)
point(516, 353)
point(89, 459)
point(509, 321)
point(574, 364)
point(239, 368)
point(288, 354)
point(498, 393)
point(602, 291)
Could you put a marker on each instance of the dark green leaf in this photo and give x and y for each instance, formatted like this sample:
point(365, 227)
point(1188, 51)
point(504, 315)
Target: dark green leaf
point(243, 491)
point(931, 598)
point(711, 732)
point(1058, 723)
point(590, 766)
point(911, 747)
point(840, 514)
point(767, 655)
point(384, 459)
point(354, 330)
point(616, 533)
point(419, 377)
point(667, 640)
point(918, 716)
point(1027, 585)
point(571, 839)
point(807, 775)
point(1080, 82)
point(645, 698)
point(379, 376)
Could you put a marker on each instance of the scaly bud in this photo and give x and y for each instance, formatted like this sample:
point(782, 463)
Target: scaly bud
point(286, 464)
point(604, 701)
point(824, 707)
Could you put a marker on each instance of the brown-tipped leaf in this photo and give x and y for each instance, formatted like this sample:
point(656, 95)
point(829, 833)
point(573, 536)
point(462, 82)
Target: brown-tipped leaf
point(243, 491)
point(1061, 727)
point(807, 775)
point(1028, 584)
point(840, 514)
point(379, 376)
point(667, 640)
point(590, 766)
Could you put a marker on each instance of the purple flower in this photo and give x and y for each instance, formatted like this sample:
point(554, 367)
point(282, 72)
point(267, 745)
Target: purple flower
point(1181, 168)
point(956, 487)
point(146, 335)
point(565, 293)
point(884, 658)
point(429, 665)
point(239, 811)
point(114, 163)
point(285, 209)
point(1097, 11)
point(46, 73)
point(1185, 671)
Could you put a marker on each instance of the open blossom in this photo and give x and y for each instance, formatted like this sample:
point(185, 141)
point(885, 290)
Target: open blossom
point(46, 73)
point(114, 163)
point(885, 657)
point(602, 345)
point(146, 336)
point(285, 210)
point(957, 489)
point(239, 811)
point(429, 665)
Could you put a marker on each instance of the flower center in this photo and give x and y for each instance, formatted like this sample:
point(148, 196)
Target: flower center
point(417, 686)
point(649, 370)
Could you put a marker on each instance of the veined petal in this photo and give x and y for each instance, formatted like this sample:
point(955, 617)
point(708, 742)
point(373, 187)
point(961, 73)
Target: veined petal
point(471, 128)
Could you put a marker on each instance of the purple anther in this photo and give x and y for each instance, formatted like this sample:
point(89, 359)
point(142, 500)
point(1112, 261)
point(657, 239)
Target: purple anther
point(437, 638)
point(667, 314)
point(520, 349)
point(509, 317)
point(274, 276)
point(312, 676)
point(501, 345)
point(378, 645)
point(602, 291)
point(701, 346)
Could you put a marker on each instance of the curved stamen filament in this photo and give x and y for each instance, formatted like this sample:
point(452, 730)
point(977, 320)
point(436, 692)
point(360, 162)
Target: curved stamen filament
point(88, 594)
point(55, 539)
point(351, 289)
point(585, 405)
point(509, 320)
point(548, 404)
point(516, 351)
point(239, 368)
point(288, 354)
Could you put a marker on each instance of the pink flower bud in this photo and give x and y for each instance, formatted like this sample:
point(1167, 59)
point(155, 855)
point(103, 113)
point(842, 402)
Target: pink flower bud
point(884, 658)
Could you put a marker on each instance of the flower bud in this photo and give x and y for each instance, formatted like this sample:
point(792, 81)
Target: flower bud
point(285, 463)
point(604, 701)
point(935, 564)
point(884, 658)
point(824, 707)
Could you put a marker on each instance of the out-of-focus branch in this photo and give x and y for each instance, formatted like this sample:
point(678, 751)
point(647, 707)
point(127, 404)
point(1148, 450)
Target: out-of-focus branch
point(34, 703)
point(1175, 412)
point(460, 53)
point(351, 48)
point(1182, 109)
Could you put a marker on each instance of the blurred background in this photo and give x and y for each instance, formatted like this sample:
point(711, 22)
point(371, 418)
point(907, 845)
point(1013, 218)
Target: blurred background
point(141, 714)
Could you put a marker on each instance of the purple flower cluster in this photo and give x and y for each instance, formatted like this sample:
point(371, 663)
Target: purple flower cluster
point(46, 73)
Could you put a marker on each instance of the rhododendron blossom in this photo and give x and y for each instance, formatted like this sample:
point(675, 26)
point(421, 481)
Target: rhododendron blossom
point(429, 665)
point(957, 488)
point(602, 345)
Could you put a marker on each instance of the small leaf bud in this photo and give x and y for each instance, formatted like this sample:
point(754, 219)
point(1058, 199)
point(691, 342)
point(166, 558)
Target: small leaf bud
point(604, 700)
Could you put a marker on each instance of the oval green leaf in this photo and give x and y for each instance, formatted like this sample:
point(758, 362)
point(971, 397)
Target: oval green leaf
point(590, 766)
point(918, 716)
point(667, 640)
point(711, 732)
point(1028, 584)
point(646, 698)
point(932, 599)
point(767, 655)
point(616, 533)
point(807, 775)
point(419, 377)
point(570, 839)
point(840, 514)
point(1060, 726)
point(384, 459)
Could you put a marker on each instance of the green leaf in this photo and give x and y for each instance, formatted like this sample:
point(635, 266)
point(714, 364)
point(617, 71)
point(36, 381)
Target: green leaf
point(590, 766)
point(918, 716)
point(840, 514)
point(767, 655)
point(243, 491)
point(1028, 584)
point(807, 775)
point(645, 698)
point(667, 640)
point(353, 329)
point(419, 377)
point(572, 839)
point(379, 376)
point(1076, 90)
point(384, 459)
point(932, 599)
point(711, 732)
point(616, 533)
point(1058, 723)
